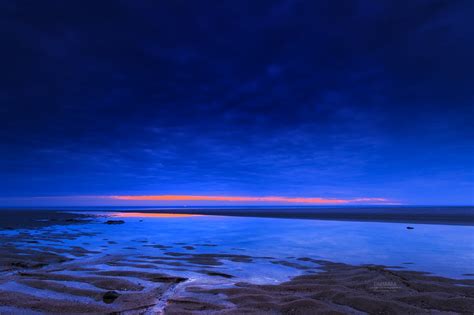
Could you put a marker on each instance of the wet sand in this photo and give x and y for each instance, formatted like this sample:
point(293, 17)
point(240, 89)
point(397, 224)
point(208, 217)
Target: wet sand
point(138, 286)
point(338, 289)
point(25, 219)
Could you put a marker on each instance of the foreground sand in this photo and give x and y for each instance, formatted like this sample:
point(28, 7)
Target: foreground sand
point(339, 289)
point(136, 286)
point(39, 274)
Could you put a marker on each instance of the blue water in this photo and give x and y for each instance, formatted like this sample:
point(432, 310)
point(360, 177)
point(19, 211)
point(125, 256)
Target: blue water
point(440, 249)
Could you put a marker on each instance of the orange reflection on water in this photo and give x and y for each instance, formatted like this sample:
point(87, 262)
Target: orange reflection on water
point(153, 215)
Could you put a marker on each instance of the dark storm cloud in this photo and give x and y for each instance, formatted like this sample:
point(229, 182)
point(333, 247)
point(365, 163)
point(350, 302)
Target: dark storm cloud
point(333, 98)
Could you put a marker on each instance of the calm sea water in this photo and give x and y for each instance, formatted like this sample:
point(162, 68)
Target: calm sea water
point(440, 249)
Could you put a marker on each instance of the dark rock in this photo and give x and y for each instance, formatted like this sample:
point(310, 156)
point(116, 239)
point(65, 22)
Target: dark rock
point(110, 297)
point(410, 228)
point(115, 222)
point(168, 279)
point(218, 274)
point(20, 264)
point(175, 254)
point(159, 246)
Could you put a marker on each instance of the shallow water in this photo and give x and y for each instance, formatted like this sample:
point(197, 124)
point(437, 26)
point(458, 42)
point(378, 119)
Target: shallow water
point(439, 249)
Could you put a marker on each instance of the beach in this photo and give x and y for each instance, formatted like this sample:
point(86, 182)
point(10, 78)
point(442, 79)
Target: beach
point(144, 263)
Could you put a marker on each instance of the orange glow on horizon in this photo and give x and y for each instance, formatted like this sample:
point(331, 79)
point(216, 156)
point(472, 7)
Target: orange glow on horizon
point(153, 215)
point(311, 200)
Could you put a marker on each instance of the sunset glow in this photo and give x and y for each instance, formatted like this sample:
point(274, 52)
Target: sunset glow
point(277, 199)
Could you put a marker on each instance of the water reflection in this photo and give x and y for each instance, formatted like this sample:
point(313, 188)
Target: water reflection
point(152, 215)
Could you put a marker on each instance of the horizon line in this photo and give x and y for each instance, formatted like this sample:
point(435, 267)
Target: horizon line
point(238, 199)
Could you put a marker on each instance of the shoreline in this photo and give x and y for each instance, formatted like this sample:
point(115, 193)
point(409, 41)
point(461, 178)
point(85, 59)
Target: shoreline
point(459, 215)
point(463, 219)
point(31, 219)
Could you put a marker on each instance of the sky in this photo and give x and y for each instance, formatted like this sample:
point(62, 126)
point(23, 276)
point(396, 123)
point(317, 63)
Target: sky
point(236, 102)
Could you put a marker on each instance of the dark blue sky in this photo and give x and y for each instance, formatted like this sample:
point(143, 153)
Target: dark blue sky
point(331, 99)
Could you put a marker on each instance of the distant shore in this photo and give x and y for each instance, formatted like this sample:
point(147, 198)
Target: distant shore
point(416, 215)
point(445, 215)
